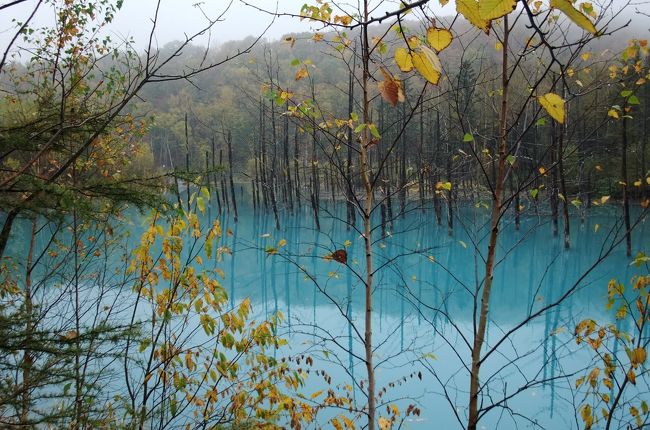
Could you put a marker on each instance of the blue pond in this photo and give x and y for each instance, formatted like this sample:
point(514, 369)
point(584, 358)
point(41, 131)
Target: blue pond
point(423, 306)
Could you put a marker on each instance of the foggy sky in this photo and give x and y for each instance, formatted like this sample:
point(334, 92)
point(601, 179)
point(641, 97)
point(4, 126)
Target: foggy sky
point(180, 17)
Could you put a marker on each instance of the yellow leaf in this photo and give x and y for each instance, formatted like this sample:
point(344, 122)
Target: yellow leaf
point(403, 60)
point(604, 199)
point(554, 105)
point(470, 10)
point(316, 394)
point(443, 2)
point(348, 422)
point(494, 9)
point(301, 73)
point(569, 72)
point(439, 38)
point(612, 113)
point(585, 56)
point(574, 15)
point(631, 376)
point(498, 46)
point(384, 424)
point(282, 243)
point(638, 356)
point(426, 62)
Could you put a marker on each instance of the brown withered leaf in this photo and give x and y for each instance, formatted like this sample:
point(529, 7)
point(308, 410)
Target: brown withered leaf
point(390, 88)
point(340, 256)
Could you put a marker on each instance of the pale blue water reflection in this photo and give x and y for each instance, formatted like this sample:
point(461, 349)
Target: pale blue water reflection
point(423, 305)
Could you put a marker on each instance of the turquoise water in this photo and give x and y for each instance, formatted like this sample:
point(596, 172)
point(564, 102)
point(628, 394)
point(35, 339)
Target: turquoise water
point(423, 306)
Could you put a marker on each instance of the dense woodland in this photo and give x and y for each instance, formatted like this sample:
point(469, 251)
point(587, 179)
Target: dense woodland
point(513, 109)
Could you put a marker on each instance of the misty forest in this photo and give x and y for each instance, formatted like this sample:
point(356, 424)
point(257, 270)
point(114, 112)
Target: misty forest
point(415, 214)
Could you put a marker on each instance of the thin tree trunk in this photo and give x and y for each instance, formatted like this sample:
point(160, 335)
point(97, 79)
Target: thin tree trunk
point(351, 217)
point(365, 172)
point(28, 359)
point(214, 174)
point(565, 203)
point(187, 162)
point(554, 180)
point(296, 166)
point(497, 201)
point(436, 176)
point(626, 197)
point(6, 231)
point(287, 167)
point(230, 170)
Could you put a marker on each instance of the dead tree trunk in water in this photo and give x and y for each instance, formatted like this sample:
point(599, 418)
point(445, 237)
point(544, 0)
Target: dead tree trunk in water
point(287, 167)
point(187, 162)
point(273, 173)
point(222, 181)
point(264, 183)
point(437, 207)
point(554, 179)
point(230, 168)
point(420, 158)
point(296, 166)
point(624, 180)
point(402, 162)
point(560, 166)
point(214, 175)
point(351, 216)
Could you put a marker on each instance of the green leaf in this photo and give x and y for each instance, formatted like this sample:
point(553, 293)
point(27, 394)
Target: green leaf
point(144, 345)
point(295, 62)
point(533, 193)
point(541, 122)
point(200, 203)
point(626, 93)
point(374, 131)
point(633, 100)
point(468, 138)
point(360, 128)
point(511, 159)
point(205, 192)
